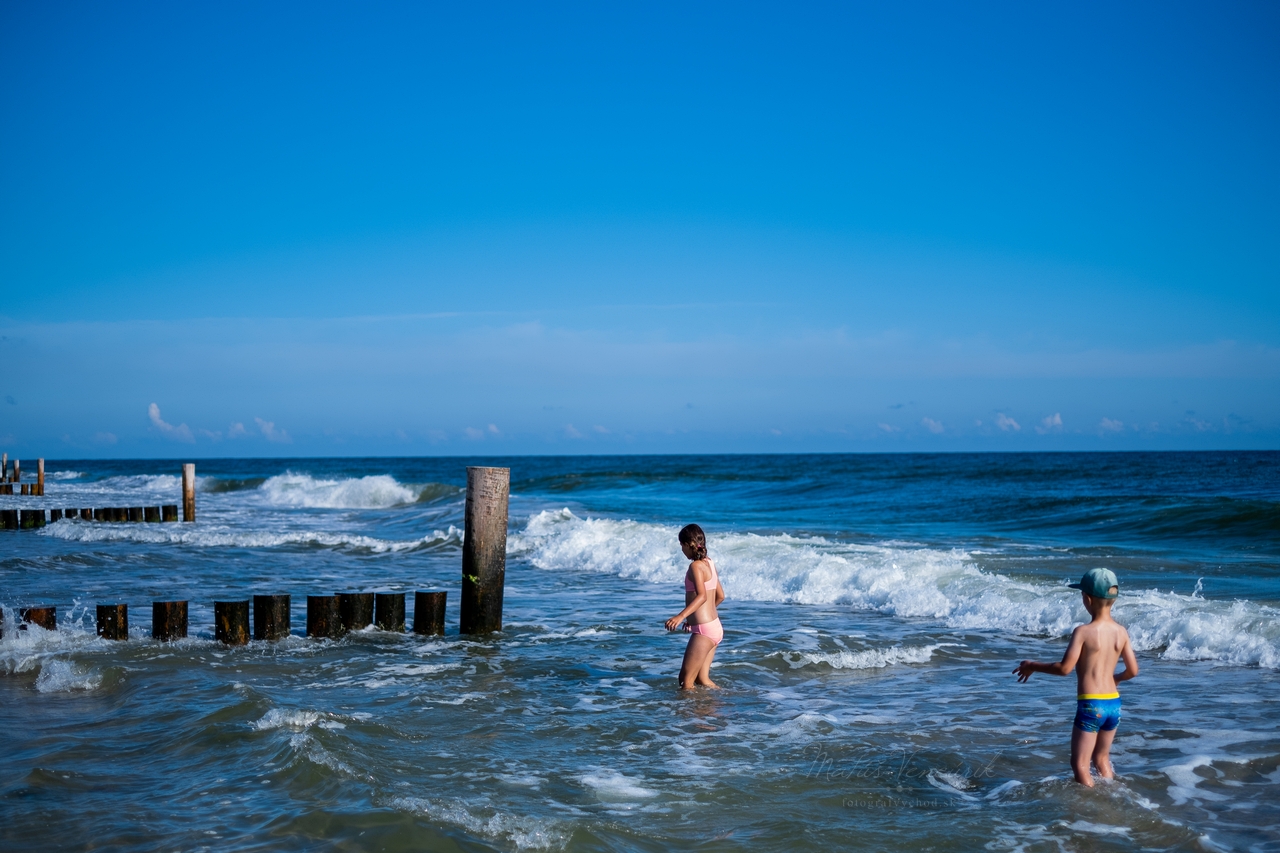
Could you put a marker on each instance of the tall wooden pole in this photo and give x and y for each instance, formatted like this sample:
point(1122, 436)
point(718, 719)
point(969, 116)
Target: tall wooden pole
point(484, 549)
point(17, 471)
point(189, 491)
point(4, 468)
point(40, 476)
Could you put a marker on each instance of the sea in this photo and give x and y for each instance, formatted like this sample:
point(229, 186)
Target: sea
point(876, 608)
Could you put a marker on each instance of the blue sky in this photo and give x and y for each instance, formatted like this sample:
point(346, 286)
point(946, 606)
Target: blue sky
point(246, 229)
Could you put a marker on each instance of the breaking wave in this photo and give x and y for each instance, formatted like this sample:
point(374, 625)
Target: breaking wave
point(940, 586)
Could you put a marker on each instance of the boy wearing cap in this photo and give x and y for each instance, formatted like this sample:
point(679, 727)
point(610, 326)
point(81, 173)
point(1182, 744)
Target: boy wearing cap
point(1094, 649)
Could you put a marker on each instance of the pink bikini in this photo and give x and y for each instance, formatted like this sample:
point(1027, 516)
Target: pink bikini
point(712, 630)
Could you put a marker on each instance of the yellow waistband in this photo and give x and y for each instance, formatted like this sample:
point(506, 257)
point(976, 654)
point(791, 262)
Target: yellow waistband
point(1082, 696)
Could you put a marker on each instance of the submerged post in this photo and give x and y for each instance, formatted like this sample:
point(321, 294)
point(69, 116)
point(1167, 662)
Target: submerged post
point(40, 477)
point(484, 549)
point(46, 616)
point(388, 608)
point(270, 617)
point(231, 622)
point(324, 619)
point(169, 620)
point(169, 512)
point(152, 514)
point(113, 621)
point(189, 491)
point(356, 609)
point(428, 613)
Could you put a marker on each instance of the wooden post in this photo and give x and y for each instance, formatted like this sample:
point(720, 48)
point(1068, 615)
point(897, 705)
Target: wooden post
point(17, 471)
point(231, 622)
point(119, 513)
point(356, 609)
point(135, 513)
point(55, 515)
point(8, 519)
point(4, 468)
point(484, 549)
point(389, 610)
point(86, 514)
point(270, 617)
point(189, 491)
point(46, 616)
point(428, 613)
point(324, 617)
point(40, 477)
point(169, 512)
point(153, 514)
point(24, 489)
point(29, 519)
point(169, 620)
point(113, 621)
point(100, 514)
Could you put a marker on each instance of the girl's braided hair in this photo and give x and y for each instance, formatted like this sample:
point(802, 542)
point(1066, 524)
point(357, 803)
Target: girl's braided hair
point(692, 535)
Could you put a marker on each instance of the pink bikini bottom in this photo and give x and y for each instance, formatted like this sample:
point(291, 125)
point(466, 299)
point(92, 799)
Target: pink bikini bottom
point(713, 630)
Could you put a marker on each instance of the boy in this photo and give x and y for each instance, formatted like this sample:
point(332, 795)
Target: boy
point(1095, 647)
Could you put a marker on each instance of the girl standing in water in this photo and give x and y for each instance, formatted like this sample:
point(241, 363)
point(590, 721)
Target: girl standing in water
point(702, 592)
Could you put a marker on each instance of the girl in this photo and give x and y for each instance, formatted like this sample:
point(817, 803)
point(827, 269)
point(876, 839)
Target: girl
point(702, 593)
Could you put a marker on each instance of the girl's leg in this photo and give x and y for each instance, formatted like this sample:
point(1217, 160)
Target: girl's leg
point(704, 674)
point(1102, 754)
point(1082, 744)
point(694, 655)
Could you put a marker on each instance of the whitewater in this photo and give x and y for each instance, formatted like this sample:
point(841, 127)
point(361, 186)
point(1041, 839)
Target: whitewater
point(876, 606)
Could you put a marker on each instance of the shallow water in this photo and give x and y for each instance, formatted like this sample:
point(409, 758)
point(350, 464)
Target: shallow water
point(876, 607)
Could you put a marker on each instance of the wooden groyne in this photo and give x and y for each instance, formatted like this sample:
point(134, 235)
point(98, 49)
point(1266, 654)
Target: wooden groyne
point(10, 479)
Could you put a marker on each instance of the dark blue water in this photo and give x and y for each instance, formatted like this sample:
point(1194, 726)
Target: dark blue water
point(876, 605)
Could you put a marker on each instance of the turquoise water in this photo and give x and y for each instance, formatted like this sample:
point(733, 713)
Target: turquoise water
point(876, 607)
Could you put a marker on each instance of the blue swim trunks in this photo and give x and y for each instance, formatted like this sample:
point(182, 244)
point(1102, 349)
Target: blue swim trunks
point(1098, 713)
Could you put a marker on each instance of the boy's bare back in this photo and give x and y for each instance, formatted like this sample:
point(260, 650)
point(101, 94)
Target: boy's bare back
point(1100, 645)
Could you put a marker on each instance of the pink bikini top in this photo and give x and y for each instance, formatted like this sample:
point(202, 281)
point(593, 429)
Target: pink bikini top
point(690, 586)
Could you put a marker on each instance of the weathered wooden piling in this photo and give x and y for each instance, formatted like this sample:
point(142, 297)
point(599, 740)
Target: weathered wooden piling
point(40, 477)
point(270, 617)
point(17, 471)
point(100, 514)
point(484, 549)
point(120, 513)
point(169, 620)
point(86, 514)
point(113, 621)
point(356, 609)
point(55, 515)
point(324, 617)
point(428, 613)
point(4, 467)
point(9, 519)
point(46, 616)
point(29, 519)
point(25, 489)
point(153, 514)
point(135, 513)
point(169, 512)
point(189, 491)
point(231, 622)
point(388, 608)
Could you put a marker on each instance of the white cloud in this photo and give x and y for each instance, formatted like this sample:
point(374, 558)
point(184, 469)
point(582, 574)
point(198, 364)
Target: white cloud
point(1007, 423)
point(236, 430)
point(493, 428)
point(178, 433)
point(104, 438)
point(270, 433)
point(212, 435)
point(933, 426)
point(571, 431)
point(1108, 425)
point(473, 433)
point(888, 428)
point(1051, 423)
point(600, 429)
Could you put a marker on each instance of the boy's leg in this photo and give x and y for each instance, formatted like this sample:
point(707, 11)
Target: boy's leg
point(1102, 754)
point(694, 654)
point(1082, 744)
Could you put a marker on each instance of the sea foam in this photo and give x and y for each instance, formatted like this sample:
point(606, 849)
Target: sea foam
point(944, 586)
point(302, 490)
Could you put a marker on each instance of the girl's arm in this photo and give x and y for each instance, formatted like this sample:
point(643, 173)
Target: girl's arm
point(700, 579)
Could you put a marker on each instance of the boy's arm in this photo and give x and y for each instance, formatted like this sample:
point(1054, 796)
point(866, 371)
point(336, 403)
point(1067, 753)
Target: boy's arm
point(1130, 661)
point(1063, 667)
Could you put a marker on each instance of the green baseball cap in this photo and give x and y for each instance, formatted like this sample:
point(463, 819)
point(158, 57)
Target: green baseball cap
point(1097, 583)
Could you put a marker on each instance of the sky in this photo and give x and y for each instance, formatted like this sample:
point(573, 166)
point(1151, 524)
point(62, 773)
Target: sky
point(314, 229)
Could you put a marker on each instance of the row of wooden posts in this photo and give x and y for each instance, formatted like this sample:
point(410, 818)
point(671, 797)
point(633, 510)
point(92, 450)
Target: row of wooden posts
point(484, 567)
point(328, 617)
point(8, 481)
point(28, 519)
